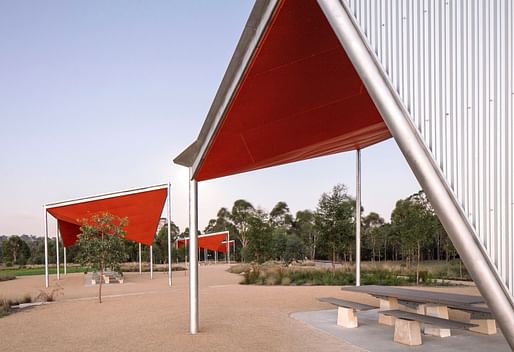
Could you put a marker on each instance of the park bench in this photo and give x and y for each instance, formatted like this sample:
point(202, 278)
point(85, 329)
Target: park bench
point(346, 311)
point(407, 327)
point(435, 304)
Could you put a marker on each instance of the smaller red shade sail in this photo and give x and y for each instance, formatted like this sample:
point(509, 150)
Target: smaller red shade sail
point(223, 248)
point(211, 242)
point(143, 211)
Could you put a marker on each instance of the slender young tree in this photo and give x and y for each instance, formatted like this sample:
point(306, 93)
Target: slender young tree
point(101, 244)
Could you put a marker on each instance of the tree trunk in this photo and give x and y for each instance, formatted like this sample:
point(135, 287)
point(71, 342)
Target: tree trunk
point(333, 257)
point(417, 265)
point(101, 273)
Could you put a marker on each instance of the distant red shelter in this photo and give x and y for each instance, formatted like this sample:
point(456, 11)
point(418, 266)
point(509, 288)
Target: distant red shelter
point(142, 207)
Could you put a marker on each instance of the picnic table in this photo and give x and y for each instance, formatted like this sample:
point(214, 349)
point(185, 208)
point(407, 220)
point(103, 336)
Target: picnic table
point(436, 304)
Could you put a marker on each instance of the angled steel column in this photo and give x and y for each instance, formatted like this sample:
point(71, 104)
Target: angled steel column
point(46, 248)
point(168, 214)
point(228, 248)
point(193, 255)
point(57, 261)
point(358, 221)
point(422, 164)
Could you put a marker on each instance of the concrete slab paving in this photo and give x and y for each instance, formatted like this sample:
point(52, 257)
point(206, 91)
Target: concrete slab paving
point(371, 336)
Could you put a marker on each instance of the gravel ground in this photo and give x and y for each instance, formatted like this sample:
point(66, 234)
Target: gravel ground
point(146, 315)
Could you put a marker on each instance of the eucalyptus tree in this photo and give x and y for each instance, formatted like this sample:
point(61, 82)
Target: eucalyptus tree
point(280, 216)
point(260, 238)
point(305, 228)
point(241, 215)
point(160, 243)
point(334, 219)
point(372, 224)
point(15, 250)
point(221, 223)
point(413, 220)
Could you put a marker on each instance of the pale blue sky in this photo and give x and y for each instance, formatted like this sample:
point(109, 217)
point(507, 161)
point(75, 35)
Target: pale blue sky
point(100, 96)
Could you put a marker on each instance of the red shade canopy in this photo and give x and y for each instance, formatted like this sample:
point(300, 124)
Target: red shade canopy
point(300, 97)
point(142, 208)
point(211, 241)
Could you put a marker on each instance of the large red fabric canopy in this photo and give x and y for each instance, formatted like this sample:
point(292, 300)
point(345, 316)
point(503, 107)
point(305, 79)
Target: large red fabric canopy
point(143, 210)
point(300, 97)
point(211, 241)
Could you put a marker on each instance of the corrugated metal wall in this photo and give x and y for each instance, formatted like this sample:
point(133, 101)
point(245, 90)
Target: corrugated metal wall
point(452, 64)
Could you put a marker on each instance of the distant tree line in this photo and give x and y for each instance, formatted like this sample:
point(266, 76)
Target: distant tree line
point(413, 234)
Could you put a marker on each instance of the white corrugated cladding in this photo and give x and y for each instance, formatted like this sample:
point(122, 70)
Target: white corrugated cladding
point(452, 64)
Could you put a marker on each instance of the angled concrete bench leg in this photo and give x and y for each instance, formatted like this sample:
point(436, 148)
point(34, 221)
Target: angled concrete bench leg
point(346, 317)
point(485, 326)
point(439, 312)
point(407, 332)
point(387, 304)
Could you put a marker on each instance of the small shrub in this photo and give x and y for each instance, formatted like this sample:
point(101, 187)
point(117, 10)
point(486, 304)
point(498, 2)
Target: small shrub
point(5, 307)
point(239, 268)
point(252, 275)
point(286, 281)
point(7, 277)
point(50, 295)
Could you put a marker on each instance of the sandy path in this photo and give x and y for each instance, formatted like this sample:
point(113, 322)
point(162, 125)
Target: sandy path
point(146, 315)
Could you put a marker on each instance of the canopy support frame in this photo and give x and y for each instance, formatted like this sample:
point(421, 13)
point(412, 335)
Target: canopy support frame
point(193, 255)
point(422, 164)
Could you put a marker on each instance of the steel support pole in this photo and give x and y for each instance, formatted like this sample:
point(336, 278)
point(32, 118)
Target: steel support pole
point(46, 249)
point(57, 261)
point(65, 264)
point(358, 221)
point(193, 253)
point(140, 264)
point(205, 256)
point(151, 262)
point(168, 214)
point(422, 164)
point(228, 248)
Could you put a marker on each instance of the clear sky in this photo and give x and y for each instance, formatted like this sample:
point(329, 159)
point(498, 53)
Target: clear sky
point(99, 96)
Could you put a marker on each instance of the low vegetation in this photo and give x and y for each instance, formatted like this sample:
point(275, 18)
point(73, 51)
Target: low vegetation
point(36, 270)
point(7, 276)
point(391, 274)
point(7, 304)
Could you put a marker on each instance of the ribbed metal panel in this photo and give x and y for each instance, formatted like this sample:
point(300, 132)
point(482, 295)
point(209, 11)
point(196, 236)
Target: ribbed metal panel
point(452, 64)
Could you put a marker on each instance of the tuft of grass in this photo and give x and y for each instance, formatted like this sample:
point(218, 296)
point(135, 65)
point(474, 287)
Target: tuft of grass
point(6, 304)
point(7, 277)
point(5, 307)
point(239, 268)
point(49, 295)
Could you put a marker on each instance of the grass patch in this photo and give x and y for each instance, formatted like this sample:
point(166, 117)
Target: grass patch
point(7, 277)
point(26, 271)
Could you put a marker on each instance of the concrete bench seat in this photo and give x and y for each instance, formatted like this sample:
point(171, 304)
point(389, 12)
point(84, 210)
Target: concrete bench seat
point(346, 316)
point(407, 328)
